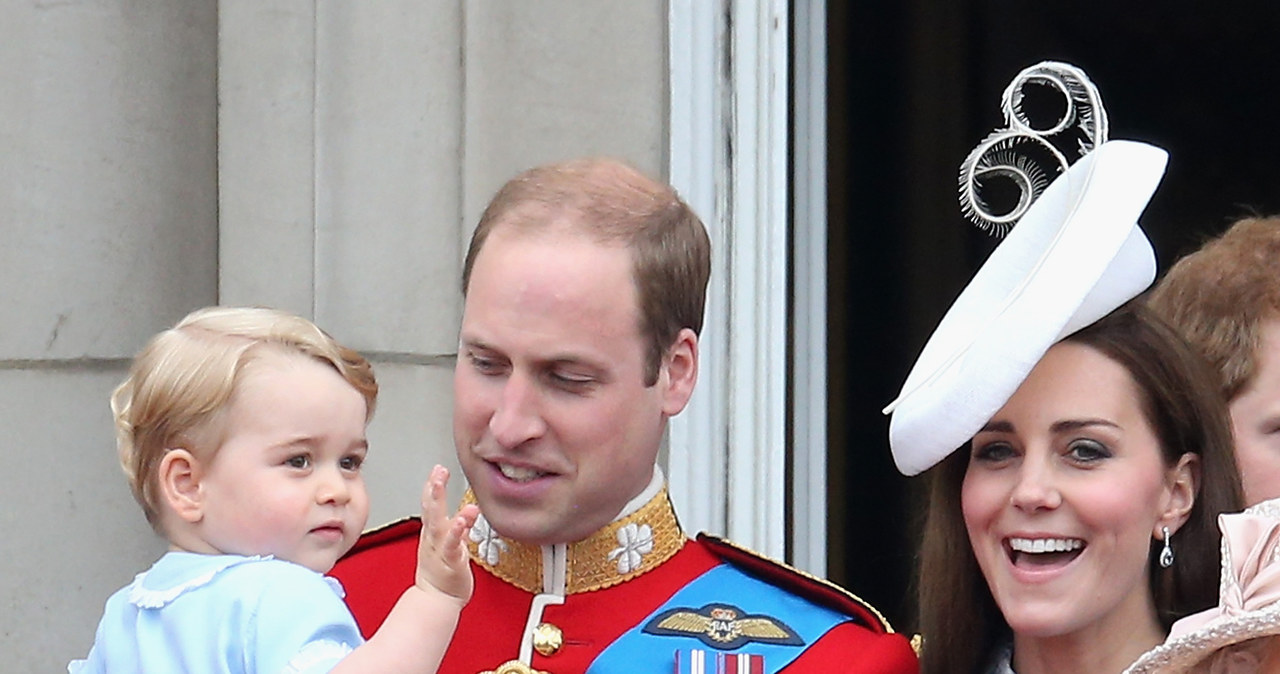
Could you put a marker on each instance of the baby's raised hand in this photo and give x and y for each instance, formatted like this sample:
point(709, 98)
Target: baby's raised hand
point(443, 563)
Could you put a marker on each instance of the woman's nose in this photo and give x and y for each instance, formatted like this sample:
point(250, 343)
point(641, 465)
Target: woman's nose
point(1035, 488)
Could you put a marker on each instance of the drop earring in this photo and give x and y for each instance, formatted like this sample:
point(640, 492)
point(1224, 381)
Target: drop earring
point(1166, 555)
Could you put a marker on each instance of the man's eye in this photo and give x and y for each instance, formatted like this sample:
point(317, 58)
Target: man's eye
point(571, 382)
point(484, 365)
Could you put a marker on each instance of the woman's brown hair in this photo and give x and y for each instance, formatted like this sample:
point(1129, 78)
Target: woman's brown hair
point(958, 617)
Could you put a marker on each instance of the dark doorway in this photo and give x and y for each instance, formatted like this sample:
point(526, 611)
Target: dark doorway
point(913, 86)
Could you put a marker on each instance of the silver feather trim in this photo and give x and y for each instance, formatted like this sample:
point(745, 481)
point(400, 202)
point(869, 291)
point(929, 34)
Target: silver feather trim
point(1015, 153)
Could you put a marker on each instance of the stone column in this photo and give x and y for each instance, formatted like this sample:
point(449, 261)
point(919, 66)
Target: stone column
point(108, 233)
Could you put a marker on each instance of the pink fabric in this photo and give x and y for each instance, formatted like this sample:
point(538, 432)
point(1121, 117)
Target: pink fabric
point(1250, 545)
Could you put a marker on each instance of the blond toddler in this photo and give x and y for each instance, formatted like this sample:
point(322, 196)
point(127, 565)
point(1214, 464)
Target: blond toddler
point(242, 433)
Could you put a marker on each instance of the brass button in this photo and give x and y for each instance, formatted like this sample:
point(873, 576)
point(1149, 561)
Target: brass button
point(547, 639)
point(513, 667)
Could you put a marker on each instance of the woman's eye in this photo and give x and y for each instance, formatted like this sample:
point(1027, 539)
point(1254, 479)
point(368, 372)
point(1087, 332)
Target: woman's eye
point(993, 452)
point(1088, 451)
point(298, 461)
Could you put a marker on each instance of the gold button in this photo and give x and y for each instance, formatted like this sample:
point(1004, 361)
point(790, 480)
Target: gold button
point(547, 639)
point(513, 667)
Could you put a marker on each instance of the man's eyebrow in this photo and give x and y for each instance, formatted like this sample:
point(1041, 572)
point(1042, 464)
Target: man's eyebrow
point(572, 359)
point(550, 360)
point(475, 342)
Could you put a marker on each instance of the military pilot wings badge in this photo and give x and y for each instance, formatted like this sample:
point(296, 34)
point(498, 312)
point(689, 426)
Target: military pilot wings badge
point(723, 627)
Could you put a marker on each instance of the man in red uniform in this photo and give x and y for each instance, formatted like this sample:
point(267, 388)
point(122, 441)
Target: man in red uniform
point(585, 283)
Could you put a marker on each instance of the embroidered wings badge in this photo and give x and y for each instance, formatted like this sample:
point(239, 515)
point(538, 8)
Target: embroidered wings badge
point(722, 627)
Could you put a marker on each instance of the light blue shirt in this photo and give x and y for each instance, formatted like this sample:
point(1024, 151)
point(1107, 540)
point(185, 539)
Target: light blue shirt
point(223, 614)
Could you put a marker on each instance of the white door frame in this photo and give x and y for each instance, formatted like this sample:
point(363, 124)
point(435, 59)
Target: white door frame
point(728, 156)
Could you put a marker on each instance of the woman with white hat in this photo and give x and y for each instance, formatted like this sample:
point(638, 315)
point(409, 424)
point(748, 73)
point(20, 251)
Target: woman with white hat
point(1081, 449)
point(1044, 545)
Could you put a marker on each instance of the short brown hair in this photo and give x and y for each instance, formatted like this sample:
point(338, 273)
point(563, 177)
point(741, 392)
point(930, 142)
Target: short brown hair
point(182, 379)
point(612, 202)
point(959, 618)
point(1219, 296)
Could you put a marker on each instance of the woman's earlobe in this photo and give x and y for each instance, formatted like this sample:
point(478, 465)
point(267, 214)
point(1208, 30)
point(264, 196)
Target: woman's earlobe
point(179, 476)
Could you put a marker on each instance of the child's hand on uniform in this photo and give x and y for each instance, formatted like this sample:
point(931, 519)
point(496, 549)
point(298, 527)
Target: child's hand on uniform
point(443, 562)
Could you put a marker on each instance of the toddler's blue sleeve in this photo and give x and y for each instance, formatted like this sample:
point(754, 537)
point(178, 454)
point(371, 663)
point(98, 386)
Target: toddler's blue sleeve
point(301, 624)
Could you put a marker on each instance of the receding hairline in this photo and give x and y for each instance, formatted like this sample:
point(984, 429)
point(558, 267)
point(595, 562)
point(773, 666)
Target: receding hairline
point(562, 229)
point(536, 221)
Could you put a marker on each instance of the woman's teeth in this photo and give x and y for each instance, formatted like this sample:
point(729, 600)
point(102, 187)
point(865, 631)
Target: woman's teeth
point(1041, 545)
point(518, 473)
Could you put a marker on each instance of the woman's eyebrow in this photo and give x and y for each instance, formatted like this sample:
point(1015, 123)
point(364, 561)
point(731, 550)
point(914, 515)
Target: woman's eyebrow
point(994, 426)
point(1076, 424)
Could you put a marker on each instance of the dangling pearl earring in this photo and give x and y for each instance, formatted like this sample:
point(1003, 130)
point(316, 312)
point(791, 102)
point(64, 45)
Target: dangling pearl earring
point(1166, 555)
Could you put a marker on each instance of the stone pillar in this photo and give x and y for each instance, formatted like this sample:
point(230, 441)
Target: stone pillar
point(340, 133)
point(108, 233)
point(325, 157)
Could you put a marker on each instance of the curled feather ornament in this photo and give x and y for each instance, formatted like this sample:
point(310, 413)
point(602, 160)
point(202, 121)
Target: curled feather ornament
point(1020, 152)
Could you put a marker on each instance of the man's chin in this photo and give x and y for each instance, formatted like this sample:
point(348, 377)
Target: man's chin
point(526, 531)
point(535, 531)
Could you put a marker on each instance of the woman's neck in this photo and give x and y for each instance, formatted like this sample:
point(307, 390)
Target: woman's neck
point(1098, 648)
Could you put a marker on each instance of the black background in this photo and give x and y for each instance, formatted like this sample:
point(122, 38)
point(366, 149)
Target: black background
point(912, 87)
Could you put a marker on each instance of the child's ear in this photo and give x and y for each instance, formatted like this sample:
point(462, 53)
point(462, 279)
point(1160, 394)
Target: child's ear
point(179, 477)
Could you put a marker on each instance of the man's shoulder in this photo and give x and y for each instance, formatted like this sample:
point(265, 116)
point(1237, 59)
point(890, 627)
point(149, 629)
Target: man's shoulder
point(794, 581)
point(401, 530)
point(380, 554)
point(749, 603)
point(380, 545)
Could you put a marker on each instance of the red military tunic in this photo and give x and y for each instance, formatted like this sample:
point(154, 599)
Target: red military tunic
point(568, 609)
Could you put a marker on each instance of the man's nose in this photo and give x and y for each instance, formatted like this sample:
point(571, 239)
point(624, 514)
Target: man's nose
point(518, 417)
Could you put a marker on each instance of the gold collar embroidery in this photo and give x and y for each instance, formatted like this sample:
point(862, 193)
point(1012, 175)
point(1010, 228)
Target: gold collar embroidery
point(625, 548)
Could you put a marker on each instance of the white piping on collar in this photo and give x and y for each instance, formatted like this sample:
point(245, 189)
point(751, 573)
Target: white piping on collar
point(555, 567)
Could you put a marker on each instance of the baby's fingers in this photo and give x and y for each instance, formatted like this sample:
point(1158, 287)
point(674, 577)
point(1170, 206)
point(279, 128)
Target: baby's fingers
point(442, 553)
point(435, 523)
point(433, 490)
point(461, 524)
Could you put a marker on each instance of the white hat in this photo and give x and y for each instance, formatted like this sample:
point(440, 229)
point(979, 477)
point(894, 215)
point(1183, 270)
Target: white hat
point(1074, 256)
point(1248, 600)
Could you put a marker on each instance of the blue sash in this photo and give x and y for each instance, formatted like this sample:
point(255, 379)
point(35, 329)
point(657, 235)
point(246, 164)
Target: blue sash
point(694, 618)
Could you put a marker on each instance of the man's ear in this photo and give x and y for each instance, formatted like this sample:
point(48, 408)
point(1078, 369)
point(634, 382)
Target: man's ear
point(680, 366)
point(1183, 483)
point(179, 476)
